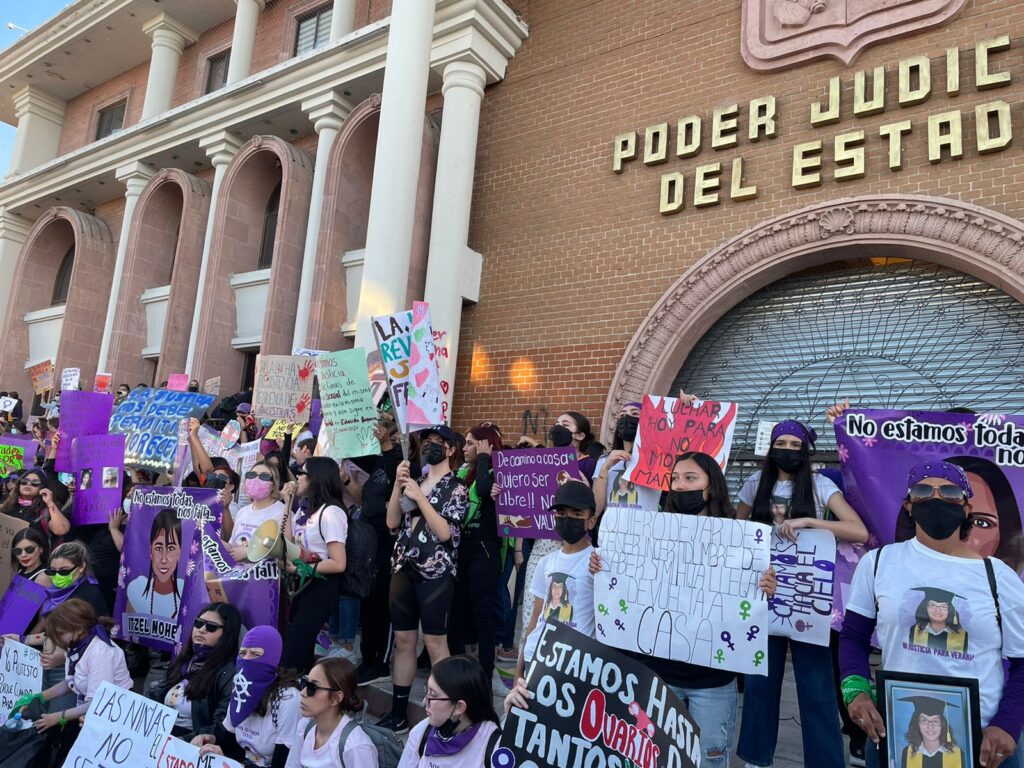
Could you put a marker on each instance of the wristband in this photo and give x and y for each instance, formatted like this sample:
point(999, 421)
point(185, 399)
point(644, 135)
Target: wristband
point(853, 686)
point(63, 720)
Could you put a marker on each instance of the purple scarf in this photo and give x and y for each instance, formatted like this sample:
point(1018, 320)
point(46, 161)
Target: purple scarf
point(439, 747)
point(75, 655)
point(55, 597)
point(252, 680)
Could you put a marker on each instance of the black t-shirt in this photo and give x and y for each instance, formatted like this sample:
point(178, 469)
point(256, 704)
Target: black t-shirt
point(377, 492)
point(104, 559)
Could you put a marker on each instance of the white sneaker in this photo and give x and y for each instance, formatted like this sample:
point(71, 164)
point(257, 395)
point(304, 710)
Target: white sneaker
point(498, 686)
point(339, 651)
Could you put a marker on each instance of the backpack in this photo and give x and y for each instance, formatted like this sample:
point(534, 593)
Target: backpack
point(389, 750)
point(360, 559)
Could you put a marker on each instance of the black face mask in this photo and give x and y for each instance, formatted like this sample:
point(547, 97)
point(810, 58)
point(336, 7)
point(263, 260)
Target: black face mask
point(447, 729)
point(560, 436)
point(627, 428)
point(570, 529)
point(786, 459)
point(685, 502)
point(939, 519)
point(433, 453)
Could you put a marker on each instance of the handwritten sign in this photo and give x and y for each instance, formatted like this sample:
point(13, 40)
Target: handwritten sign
point(121, 728)
point(19, 605)
point(805, 570)
point(9, 526)
point(81, 414)
point(98, 464)
point(177, 382)
point(668, 428)
point(12, 458)
point(21, 671)
point(284, 387)
point(684, 587)
point(306, 352)
point(69, 378)
point(150, 419)
point(406, 344)
point(212, 386)
point(7, 404)
point(280, 428)
point(346, 403)
point(378, 378)
point(528, 480)
point(42, 376)
point(595, 706)
point(175, 753)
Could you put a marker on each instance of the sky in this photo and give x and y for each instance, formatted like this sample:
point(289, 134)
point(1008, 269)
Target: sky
point(28, 14)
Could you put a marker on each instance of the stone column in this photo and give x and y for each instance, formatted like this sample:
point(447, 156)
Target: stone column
point(134, 176)
point(397, 164)
point(453, 271)
point(247, 16)
point(343, 18)
point(170, 37)
point(220, 148)
point(327, 111)
point(40, 121)
point(14, 230)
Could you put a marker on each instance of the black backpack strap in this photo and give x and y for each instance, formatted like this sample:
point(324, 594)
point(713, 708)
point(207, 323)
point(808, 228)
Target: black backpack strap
point(991, 573)
point(492, 742)
point(349, 727)
point(423, 741)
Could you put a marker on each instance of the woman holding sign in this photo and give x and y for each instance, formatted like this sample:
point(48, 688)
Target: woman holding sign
point(932, 576)
point(35, 504)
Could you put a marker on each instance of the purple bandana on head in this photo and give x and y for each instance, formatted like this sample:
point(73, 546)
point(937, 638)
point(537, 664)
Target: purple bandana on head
point(794, 428)
point(942, 469)
point(254, 676)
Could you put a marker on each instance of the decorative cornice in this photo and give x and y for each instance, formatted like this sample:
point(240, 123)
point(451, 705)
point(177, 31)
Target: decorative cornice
point(32, 100)
point(167, 30)
point(964, 236)
point(328, 109)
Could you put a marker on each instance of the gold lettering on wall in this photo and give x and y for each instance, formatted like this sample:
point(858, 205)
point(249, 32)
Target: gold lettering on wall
point(725, 127)
point(822, 115)
point(625, 149)
point(895, 132)
point(864, 105)
point(656, 144)
point(707, 184)
point(849, 156)
point(984, 77)
point(997, 114)
point(688, 136)
point(672, 192)
point(915, 80)
point(945, 131)
point(807, 164)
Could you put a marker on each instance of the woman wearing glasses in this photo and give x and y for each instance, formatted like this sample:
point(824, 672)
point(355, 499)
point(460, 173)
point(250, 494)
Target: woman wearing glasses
point(29, 553)
point(260, 484)
point(34, 503)
point(924, 597)
point(199, 682)
point(331, 738)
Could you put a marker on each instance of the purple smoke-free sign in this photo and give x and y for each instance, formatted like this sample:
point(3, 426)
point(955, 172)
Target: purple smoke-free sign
point(98, 464)
point(81, 414)
point(528, 480)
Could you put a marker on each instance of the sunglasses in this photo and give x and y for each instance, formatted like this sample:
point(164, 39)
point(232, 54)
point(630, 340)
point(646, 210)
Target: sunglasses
point(209, 626)
point(310, 688)
point(60, 571)
point(923, 492)
point(33, 483)
point(260, 476)
point(18, 552)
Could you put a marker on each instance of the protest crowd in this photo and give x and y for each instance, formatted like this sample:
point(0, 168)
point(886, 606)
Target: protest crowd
point(205, 580)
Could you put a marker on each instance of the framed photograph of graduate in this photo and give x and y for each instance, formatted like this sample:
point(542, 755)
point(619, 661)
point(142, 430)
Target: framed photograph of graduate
point(931, 721)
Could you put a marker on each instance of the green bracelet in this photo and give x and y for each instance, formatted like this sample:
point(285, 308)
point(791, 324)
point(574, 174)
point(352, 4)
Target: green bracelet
point(853, 686)
point(62, 721)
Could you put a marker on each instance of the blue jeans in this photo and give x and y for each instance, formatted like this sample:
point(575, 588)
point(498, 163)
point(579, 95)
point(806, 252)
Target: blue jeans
point(345, 621)
point(504, 617)
point(714, 711)
point(819, 715)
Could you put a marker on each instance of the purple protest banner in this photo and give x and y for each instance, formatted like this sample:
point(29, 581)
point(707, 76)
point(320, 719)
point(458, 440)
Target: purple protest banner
point(19, 605)
point(81, 414)
point(160, 583)
point(98, 464)
point(316, 417)
point(254, 589)
point(878, 448)
point(528, 480)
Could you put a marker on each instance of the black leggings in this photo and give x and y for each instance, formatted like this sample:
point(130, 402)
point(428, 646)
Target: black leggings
point(310, 609)
point(376, 615)
point(473, 606)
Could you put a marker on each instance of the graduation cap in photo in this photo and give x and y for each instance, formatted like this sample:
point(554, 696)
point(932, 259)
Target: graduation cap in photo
point(560, 578)
point(929, 705)
point(938, 595)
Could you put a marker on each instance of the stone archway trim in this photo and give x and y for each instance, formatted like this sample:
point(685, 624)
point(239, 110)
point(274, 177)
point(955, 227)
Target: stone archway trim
point(972, 239)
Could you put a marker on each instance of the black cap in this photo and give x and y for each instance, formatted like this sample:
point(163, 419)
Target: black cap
point(938, 595)
point(443, 431)
point(575, 495)
point(929, 705)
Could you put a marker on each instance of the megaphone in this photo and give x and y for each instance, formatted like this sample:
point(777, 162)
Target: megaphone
point(267, 541)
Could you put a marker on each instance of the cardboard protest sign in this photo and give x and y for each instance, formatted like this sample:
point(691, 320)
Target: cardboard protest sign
point(668, 428)
point(280, 428)
point(177, 382)
point(254, 589)
point(98, 464)
point(12, 458)
point(69, 378)
point(212, 386)
point(150, 420)
point(9, 526)
point(121, 728)
point(21, 671)
point(42, 376)
point(160, 584)
point(528, 480)
point(684, 587)
point(378, 378)
point(406, 345)
point(175, 753)
point(348, 413)
point(7, 404)
point(81, 414)
point(283, 388)
point(101, 383)
point(594, 706)
point(19, 605)
point(805, 569)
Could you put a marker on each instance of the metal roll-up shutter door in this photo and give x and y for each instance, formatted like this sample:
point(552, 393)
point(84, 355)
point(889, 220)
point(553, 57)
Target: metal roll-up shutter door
point(891, 334)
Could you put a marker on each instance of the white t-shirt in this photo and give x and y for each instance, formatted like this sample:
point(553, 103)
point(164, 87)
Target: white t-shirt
point(782, 494)
point(249, 519)
point(359, 750)
point(152, 602)
point(569, 600)
point(181, 704)
point(100, 663)
point(622, 493)
point(471, 755)
point(959, 640)
point(258, 735)
point(328, 524)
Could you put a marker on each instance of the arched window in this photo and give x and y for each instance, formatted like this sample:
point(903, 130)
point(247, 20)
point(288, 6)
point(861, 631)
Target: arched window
point(62, 284)
point(270, 228)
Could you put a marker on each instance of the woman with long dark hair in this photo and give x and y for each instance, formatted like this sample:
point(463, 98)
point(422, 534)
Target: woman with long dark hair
point(29, 554)
point(331, 737)
point(321, 531)
point(788, 494)
point(199, 682)
point(159, 592)
point(36, 503)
